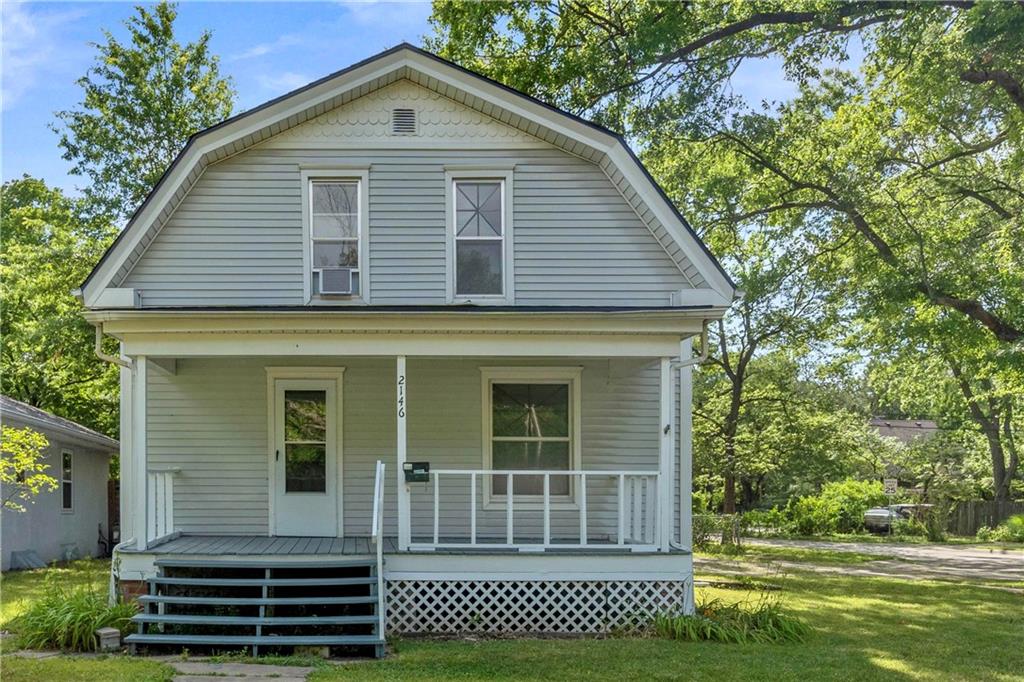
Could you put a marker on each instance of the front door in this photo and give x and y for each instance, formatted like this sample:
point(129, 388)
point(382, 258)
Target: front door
point(306, 457)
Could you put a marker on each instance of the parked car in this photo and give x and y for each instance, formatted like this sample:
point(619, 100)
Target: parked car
point(880, 518)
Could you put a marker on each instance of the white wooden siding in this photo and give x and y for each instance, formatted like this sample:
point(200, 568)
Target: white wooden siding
point(210, 419)
point(236, 239)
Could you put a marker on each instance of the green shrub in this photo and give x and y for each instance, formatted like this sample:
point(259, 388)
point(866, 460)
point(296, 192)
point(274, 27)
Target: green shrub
point(68, 619)
point(1010, 530)
point(910, 528)
point(763, 622)
point(838, 508)
point(765, 523)
point(709, 529)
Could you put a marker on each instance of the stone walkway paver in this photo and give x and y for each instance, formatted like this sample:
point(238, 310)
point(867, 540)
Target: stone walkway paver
point(201, 671)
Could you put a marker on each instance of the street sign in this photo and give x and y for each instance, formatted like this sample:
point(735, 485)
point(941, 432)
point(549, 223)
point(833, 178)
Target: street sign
point(890, 485)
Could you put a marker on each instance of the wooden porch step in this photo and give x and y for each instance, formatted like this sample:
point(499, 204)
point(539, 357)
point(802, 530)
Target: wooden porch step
point(251, 640)
point(253, 601)
point(259, 582)
point(199, 562)
point(254, 620)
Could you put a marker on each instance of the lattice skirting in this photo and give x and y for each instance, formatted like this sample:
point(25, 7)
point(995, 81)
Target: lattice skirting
point(529, 606)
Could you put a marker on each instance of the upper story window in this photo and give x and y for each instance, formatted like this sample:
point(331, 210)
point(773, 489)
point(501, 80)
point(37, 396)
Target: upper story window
point(480, 244)
point(479, 238)
point(334, 234)
point(67, 492)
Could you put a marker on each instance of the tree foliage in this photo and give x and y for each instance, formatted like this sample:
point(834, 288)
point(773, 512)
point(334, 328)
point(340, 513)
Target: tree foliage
point(875, 215)
point(142, 100)
point(22, 470)
point(50, 243)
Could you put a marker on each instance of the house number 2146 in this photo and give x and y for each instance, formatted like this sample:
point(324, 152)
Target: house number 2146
point(401, 395)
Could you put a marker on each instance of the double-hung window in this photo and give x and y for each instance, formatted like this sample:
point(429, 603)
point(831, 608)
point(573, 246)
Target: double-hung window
point(67, 492)
point(335, 219)
point(531, 422)
point(480, 245)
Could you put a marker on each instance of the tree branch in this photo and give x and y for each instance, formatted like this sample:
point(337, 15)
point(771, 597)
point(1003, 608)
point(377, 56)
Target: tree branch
point(1000, 77)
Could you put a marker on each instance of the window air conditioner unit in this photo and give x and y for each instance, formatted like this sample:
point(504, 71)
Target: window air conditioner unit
point(336, 281)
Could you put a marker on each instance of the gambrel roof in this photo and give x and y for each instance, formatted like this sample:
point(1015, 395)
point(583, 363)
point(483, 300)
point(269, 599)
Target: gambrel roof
point(573, 134)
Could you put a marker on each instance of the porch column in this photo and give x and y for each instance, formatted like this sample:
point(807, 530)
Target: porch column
point(127, 493)
point(400, 450)
point(686, 449)
point(666, 501)
point(139, 458)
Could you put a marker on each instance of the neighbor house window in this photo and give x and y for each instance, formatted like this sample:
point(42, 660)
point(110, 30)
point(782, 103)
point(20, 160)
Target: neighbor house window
point(66, 483)
point(531, 423)
point(334, 231)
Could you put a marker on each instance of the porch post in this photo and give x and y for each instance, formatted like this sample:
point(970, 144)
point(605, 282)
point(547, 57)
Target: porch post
point(127, 492)
point(666, 498)
point(686, 449)
point(400, 449)
point(139, 458)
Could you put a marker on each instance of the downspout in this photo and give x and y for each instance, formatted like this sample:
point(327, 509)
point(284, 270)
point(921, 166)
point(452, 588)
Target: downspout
point(115, 359)
point(682, 364)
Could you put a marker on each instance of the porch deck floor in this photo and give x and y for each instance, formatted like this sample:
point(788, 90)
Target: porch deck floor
point(252, 545)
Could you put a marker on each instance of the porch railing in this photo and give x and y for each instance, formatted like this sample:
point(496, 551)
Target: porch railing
point(160, 500)
point(377, 537)
point(636, 510)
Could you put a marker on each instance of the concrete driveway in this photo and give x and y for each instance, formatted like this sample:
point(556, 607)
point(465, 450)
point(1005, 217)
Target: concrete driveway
point(922, 562)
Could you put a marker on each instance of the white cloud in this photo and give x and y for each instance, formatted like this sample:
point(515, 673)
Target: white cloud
point(34, 48)
point(398, 17)
point(261, 49)
point(281, 83)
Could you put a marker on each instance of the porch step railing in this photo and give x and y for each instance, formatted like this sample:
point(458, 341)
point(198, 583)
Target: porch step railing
point(377, 537)
point(636, 506)
point(160, 502)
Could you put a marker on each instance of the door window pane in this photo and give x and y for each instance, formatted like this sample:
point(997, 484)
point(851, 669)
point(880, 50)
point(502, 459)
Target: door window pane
point(67, 496)
point(305, 416)
point(305, 468)
point(305, 446)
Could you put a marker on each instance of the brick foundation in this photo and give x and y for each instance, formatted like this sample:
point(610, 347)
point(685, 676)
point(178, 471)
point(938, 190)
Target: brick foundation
point(131, 589)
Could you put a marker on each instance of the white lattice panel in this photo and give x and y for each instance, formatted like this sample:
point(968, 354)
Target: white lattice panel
point(528, 606)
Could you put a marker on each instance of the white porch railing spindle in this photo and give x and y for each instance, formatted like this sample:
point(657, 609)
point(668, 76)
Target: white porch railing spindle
point(547, 510)
point(509, 495)
point(472, 508)
point(621, 534)
point(583, 509)
point(437, 506)
point(636, 509)
point(650, 505)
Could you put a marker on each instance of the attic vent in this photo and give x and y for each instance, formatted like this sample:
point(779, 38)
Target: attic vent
point(403, 121)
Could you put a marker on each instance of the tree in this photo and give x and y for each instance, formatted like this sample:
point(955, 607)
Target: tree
point(22, 471)
point(50, 243)
point(929, 131)
point(901, 179)
point(143, 99)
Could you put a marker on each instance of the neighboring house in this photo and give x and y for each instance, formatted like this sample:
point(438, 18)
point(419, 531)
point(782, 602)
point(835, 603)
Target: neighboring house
point(906, 431)
point(405, 293)
point(66, 523)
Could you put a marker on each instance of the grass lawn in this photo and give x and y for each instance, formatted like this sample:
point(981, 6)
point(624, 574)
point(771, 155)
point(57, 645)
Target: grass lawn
point(864, 629)
point(18, 589)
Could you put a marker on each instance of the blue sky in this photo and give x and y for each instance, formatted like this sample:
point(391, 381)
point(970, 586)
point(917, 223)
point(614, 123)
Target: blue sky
point(268, 48)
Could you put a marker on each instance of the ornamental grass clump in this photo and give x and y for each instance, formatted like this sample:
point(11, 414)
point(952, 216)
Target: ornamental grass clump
point(68, 619)
point(762, 622)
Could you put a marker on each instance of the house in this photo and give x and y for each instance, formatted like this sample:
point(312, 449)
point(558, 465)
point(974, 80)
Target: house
point(906, 431)
point(71, 521)
point(409, 337)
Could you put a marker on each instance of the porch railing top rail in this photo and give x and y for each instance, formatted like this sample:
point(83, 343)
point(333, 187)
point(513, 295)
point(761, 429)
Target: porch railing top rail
point(549, 472)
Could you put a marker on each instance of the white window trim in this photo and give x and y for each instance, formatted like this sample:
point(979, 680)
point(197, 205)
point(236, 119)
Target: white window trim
point(533, 375)
point(503, 175)
point(63, 509)
point(335, 374)
point(360, 175)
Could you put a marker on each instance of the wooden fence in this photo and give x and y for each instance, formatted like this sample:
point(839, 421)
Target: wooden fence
point(967, 517)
